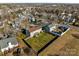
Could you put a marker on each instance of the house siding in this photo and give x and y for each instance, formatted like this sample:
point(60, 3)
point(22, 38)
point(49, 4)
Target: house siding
point(52, 28)
point(36, 31)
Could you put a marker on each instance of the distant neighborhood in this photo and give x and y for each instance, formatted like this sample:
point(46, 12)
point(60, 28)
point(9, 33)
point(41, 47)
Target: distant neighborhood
point(27, 29)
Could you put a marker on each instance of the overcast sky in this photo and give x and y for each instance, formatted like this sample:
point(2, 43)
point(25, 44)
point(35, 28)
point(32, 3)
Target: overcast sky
point(39, 1)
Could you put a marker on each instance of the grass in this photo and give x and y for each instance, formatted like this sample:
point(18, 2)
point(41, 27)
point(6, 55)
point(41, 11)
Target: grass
point(20, 38)
point(38, 42)
point(63, 45)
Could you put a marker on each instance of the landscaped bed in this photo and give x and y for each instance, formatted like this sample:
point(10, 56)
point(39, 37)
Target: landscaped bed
point(40, 41)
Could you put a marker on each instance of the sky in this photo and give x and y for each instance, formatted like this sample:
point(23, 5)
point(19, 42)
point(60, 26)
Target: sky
point(39, 1)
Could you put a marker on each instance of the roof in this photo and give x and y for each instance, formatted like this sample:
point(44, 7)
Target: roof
point(4, 42)
point(51, 25)
point(33, 28)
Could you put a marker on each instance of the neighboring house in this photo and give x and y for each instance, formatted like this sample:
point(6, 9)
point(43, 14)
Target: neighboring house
point(49, 28)
point(63, 27)
point(46, 28)
point(32, 20)
point(52, 27)
point(56, 33)
point(26, 32)
point(69, 19)
point(8, 43)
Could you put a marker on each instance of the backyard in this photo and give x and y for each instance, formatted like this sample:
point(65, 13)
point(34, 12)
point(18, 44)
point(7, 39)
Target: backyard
point(37, 42)
point(68, 44)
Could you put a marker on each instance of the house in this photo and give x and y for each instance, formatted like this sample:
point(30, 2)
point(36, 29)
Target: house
point(63, 27)
point(26, 32)
point(52, 27)
point(34, 29)
point(46, 28)
point(69, 19)
point(49, 28)
point(56, 33)
point(8, 43)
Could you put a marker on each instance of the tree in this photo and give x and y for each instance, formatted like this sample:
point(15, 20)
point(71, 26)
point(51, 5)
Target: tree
point(26, 50)
point(17, 52)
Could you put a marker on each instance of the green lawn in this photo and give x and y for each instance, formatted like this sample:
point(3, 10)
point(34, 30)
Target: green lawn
point(38, 42)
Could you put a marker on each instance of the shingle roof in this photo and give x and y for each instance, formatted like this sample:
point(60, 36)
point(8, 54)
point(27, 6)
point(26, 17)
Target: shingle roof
point(4, 42)
point(33, 28)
